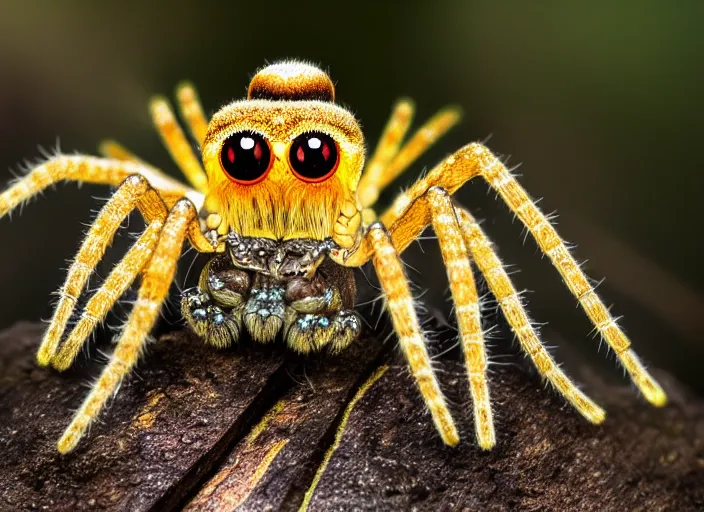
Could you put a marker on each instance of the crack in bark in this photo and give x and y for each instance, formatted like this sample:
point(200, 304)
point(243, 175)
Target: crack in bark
point(295, 498)
point(207, 466)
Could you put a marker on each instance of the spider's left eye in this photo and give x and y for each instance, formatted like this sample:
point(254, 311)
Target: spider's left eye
point(246, 157)
point(313, 157)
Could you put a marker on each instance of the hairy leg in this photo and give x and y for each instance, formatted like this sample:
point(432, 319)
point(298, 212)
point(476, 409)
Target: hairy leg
point(550, 243)
point(464, 295)
point(192, 111)
point(386, 149)
point(476, 160)
point(120, 278)
point(400, 304)
point(178, 146)
point(510, 303)
point(157, 278)
point(135, 192)
point(86, 169)
point(392, 161)
point(408, 226)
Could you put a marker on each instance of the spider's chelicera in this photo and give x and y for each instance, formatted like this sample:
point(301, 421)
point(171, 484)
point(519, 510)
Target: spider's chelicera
point(282, 199)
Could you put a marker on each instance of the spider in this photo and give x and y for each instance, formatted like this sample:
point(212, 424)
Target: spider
point(282, 200)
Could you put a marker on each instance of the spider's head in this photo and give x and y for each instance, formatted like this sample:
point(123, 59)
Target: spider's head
point(285, 162)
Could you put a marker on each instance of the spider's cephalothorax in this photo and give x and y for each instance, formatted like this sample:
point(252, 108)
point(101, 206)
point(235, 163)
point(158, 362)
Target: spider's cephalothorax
point(285, 162)
point(283, 200)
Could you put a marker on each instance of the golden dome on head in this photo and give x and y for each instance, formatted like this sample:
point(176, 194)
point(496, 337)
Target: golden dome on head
point(291, 80)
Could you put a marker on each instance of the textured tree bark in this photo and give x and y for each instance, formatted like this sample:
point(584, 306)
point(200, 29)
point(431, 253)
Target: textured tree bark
point(260, 429)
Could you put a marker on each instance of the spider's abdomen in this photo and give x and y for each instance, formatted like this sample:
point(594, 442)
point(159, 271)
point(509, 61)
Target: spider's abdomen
point(266, 287)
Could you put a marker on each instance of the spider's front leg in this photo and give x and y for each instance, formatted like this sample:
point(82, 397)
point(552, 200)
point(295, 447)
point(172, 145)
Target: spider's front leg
point(156, 280)
point(134, 192)
point(400, 304)
point(476, 160)
point(139, 186)
point(435, 208)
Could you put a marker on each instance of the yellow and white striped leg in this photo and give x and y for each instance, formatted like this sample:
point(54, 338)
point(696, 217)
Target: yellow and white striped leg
point(510, 302)
point(476, 160)
point(84, 169)
point(370, 187)
point(192, 111)
point(135, 192)
point(170, 190)
point(466, 300)
point(400, 303)
point(386, 149)
point(175, 141)
point(112, 149)
point(550, 243)
point(117, 282)
point(157, 278)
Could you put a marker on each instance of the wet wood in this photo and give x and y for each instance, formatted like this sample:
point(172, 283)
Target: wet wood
point(155, 440)
point(259, 429)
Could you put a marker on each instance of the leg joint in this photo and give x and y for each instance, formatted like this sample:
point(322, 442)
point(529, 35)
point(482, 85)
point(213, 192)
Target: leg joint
point(438, 193)
point(136, 181)
point(377, 229)
point(183, 205)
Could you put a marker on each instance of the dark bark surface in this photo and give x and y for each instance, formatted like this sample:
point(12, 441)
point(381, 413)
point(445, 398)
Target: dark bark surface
point(258, 428)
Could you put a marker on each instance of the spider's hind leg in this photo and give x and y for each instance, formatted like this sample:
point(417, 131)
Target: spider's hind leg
point(157, 278)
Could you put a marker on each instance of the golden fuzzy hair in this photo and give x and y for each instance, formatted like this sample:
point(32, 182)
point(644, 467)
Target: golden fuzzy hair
point(281, 206)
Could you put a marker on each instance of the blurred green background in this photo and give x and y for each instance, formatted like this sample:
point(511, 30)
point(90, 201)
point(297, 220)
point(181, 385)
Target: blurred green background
point(600, 102)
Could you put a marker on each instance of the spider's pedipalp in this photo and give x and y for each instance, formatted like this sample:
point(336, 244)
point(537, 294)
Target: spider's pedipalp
point(157, 278)
point(400, 304)
point(509, 300)
point(135, 192)
point(176, 143)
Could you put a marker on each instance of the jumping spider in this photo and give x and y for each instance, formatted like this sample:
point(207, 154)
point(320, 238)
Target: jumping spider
point(283, 201)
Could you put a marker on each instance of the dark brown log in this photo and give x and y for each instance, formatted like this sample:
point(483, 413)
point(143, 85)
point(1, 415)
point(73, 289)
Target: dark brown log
point(254, 427)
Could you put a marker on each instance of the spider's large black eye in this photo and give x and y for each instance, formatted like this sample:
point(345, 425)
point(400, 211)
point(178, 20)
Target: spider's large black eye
point(313, 156)
point(245, 157)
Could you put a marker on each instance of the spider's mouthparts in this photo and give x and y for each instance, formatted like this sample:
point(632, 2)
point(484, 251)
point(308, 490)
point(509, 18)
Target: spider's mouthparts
point(280, 259)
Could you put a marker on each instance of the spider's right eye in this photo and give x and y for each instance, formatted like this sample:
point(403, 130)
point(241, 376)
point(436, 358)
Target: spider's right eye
point(246, 157)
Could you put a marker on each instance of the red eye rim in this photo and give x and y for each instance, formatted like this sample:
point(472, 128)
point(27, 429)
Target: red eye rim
point(256, 180)
point(259, 178)
point(321, 178)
